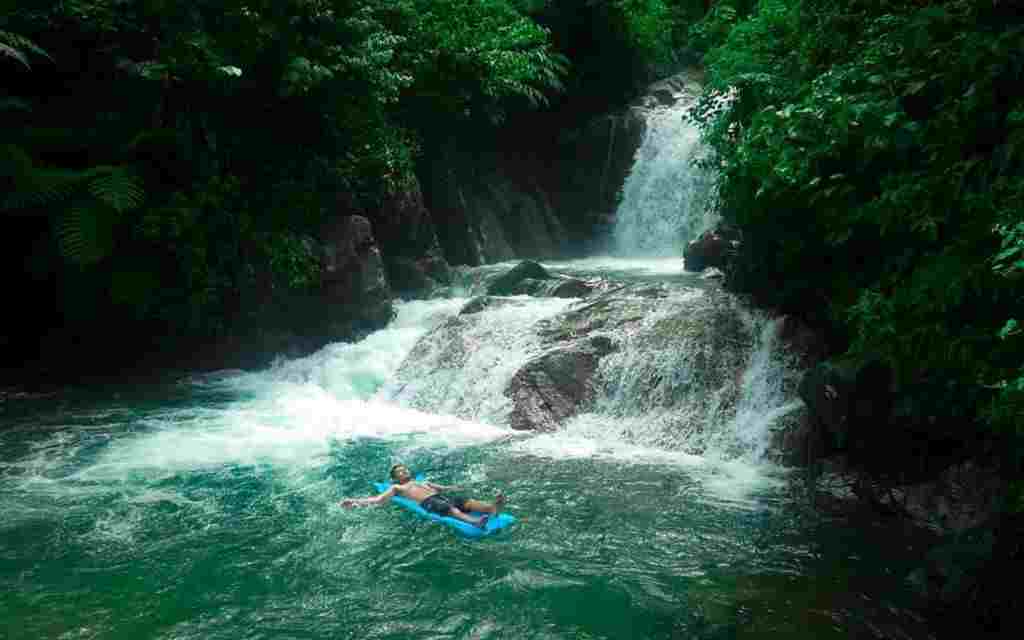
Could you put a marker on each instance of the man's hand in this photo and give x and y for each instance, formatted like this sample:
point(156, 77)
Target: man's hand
point(348, 503)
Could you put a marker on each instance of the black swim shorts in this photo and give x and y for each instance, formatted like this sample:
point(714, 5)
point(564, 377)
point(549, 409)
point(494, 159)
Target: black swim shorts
point(442, 504)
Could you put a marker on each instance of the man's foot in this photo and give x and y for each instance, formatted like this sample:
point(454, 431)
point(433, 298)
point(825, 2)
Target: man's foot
point(499, 502)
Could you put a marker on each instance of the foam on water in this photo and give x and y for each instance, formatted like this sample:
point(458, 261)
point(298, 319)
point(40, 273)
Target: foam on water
point(430, 381)
point(726, 481)
point(463, 367)
point(290, 415)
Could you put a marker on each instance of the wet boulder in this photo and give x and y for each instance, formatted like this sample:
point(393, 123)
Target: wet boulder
point(418, 277)
point(711, 249)
point(827, 390)
point(572, 288)
point(851, 406)
point(553, 387)
point(480, 303)
point(352, 273)
point(408, 242)
point(513, 282)
point(476, 305)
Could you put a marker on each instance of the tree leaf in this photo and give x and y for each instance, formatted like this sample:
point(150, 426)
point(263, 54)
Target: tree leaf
point(118, 188)
point(86, 234)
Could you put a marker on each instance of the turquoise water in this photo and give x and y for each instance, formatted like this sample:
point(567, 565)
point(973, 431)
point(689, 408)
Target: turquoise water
point(207, 508)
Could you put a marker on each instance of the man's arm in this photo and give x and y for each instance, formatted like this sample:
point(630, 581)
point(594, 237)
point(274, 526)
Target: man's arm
point(348, 503)
point(441, 487)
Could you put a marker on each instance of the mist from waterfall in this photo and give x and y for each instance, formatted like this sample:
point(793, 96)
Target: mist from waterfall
point(666, 199)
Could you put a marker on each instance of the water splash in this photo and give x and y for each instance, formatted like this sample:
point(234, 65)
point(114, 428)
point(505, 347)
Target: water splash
point(767, 393)
point(463, 366)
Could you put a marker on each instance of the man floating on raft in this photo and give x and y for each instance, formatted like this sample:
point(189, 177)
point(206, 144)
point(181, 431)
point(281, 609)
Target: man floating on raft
point(433, 498)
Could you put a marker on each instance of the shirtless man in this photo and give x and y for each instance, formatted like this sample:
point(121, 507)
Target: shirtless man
point(429, 496)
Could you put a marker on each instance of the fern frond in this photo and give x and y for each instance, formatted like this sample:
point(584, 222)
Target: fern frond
point(14, 162)
point(86, 233)
point(41, 187)
point(15, 46)
point(119, 188)
point(11, 52)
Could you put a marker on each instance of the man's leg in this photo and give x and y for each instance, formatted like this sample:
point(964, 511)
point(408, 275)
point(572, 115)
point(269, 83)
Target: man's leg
point(465, 517)
point(487, 507)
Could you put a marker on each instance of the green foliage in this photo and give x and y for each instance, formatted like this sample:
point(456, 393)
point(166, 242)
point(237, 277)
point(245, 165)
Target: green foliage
point(252, 122)
point(292, 261)
point(17, 47)
point(649, 26)
point(714, 28)
point(249, 122)
point(468, 56)
point(871, 155)
point(116, 187)
point(86, 204)
point(86, 233)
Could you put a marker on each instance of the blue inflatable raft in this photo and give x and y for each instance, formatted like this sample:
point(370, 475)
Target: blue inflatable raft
point(494, 523)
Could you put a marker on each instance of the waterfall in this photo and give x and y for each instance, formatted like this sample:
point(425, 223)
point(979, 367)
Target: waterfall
point(666, 198)
point(698, 378)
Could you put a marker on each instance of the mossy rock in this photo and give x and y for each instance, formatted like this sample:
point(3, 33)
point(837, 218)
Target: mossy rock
point(509, 282)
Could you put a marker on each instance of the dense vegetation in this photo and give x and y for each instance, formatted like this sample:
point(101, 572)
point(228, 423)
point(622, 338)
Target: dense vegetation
point(871, 154)
point(872, 158)
point(165, 163)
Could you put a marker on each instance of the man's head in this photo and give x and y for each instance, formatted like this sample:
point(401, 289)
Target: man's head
point(400, 473)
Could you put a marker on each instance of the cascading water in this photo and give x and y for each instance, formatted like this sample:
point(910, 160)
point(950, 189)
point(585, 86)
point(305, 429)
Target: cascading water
point(666, 198)
point(208, 507)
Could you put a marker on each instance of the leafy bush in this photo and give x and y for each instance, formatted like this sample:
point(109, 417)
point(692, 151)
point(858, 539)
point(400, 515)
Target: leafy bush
point(870, 156)
point(249, 123)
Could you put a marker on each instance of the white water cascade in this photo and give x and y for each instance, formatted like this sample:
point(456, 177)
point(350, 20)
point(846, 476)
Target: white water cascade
point(666, 200)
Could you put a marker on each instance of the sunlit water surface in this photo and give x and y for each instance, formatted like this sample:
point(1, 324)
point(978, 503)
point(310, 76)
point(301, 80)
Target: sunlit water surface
point(207, 508)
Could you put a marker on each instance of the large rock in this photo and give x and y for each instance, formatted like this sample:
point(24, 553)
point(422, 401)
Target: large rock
point(851, 405)
point(711, 249)
point(685, 86)
point(405, 230)
point(573, 288)
point(353, 281)
point(353, 299)
point(554, 386)
point(592, 164)
point(509, 282)
point(489, 206)
point(809, 345)
point(827, 391)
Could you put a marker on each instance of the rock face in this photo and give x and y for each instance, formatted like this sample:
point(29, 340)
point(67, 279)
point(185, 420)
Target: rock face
point(850, 406)
point(554, 386)
point(711, 249)
point(593, 162)
point(354, 285)
point(489, 206)
point(412, 255)
point(507, 283)
point(572, 288)
point(353, 298)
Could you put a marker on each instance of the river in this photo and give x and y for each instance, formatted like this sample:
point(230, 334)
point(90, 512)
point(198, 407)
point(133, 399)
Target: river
point(206, 507)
